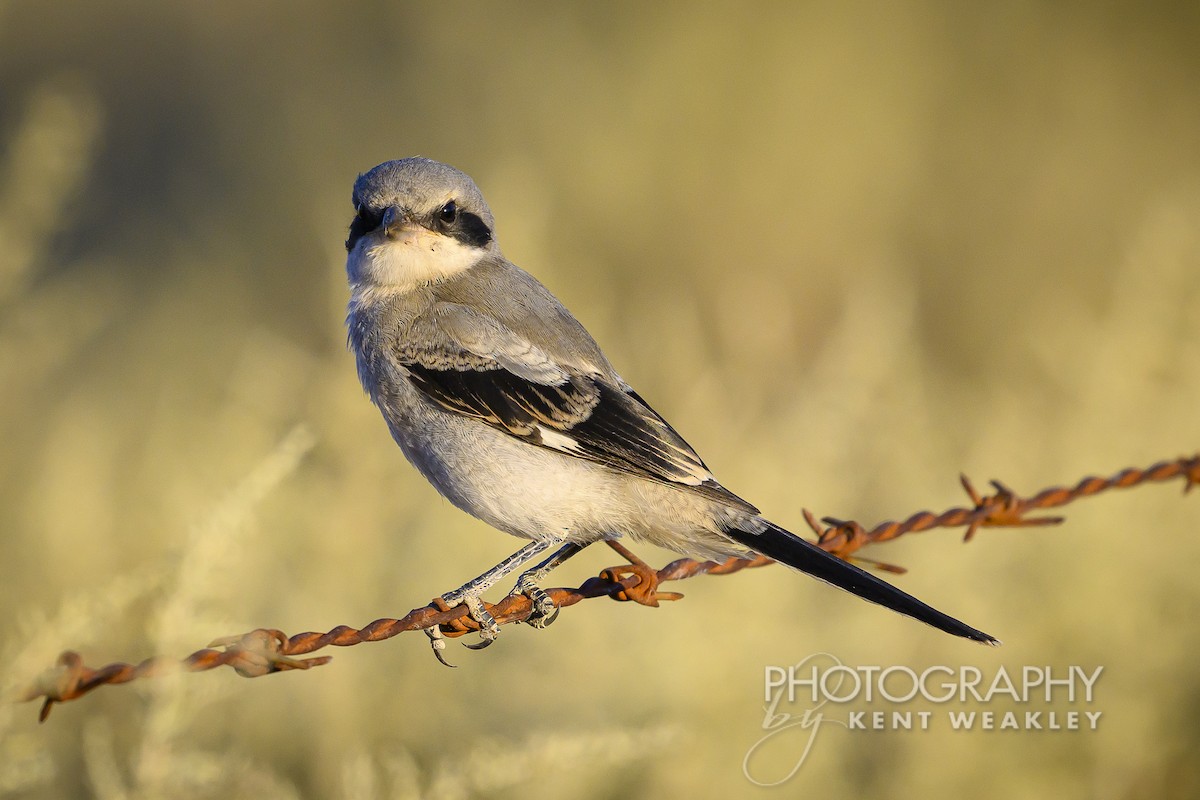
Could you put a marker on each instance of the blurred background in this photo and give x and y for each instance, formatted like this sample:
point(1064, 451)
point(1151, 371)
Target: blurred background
point(850, 251)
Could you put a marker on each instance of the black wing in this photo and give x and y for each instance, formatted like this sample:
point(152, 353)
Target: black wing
point(585, 416)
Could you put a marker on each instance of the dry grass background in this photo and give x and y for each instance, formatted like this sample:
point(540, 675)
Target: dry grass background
point(879, 244)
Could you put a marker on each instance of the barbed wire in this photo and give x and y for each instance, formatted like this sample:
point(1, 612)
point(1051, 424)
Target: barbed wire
point(267, 651)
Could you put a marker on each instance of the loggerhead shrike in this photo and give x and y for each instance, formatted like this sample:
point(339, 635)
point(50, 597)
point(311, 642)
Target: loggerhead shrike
point(506, 404)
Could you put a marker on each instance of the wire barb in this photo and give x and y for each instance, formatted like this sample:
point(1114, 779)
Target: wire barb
point(267, 651)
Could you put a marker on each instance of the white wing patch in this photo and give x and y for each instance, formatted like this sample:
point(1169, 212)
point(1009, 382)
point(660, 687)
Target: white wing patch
point(557, 440)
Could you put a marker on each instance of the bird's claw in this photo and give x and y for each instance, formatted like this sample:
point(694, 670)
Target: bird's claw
point(544, 611)
point(489, 629)
point(438, 643)
point(539, 622)
point(484, 641)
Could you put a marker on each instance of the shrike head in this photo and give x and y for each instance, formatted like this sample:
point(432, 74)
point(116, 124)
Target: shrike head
point(417, 222)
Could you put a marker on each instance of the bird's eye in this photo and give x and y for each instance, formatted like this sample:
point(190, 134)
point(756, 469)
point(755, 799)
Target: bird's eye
point(448, 213)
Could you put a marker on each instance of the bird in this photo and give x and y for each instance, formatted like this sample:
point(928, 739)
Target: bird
point(507, 405)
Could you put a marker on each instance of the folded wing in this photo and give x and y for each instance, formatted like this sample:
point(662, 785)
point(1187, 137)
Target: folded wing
point(510, 384)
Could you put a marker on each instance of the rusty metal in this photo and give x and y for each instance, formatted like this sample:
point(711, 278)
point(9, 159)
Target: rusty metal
point(1005, 508)
point(259, 652)
point(263, 652)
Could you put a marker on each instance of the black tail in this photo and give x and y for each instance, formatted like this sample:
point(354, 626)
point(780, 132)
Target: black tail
point(787, 548)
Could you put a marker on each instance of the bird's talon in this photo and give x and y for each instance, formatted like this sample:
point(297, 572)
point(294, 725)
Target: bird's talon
point(484, 641)
point(542, 604)
point(541, 621)
point(544, 610)
point(438, 643)
point(489, 629)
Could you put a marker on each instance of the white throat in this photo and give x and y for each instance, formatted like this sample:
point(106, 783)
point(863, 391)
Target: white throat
point(416, 257)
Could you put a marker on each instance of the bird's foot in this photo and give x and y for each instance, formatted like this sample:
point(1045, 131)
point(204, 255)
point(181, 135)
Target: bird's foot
point(489, 629)
point(544, 611)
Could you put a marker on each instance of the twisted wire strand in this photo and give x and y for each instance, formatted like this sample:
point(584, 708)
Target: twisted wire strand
point(267, 651)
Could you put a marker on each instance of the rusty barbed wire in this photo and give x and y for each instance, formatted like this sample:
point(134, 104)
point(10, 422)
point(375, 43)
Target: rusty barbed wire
point(267, 651)
point(1005, 508)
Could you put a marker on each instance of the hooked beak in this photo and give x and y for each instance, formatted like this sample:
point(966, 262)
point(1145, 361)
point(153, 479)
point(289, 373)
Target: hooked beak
point(395, 221)
point(399, 226)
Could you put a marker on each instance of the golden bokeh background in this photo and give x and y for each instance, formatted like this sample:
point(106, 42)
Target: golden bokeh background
point(849, 250)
